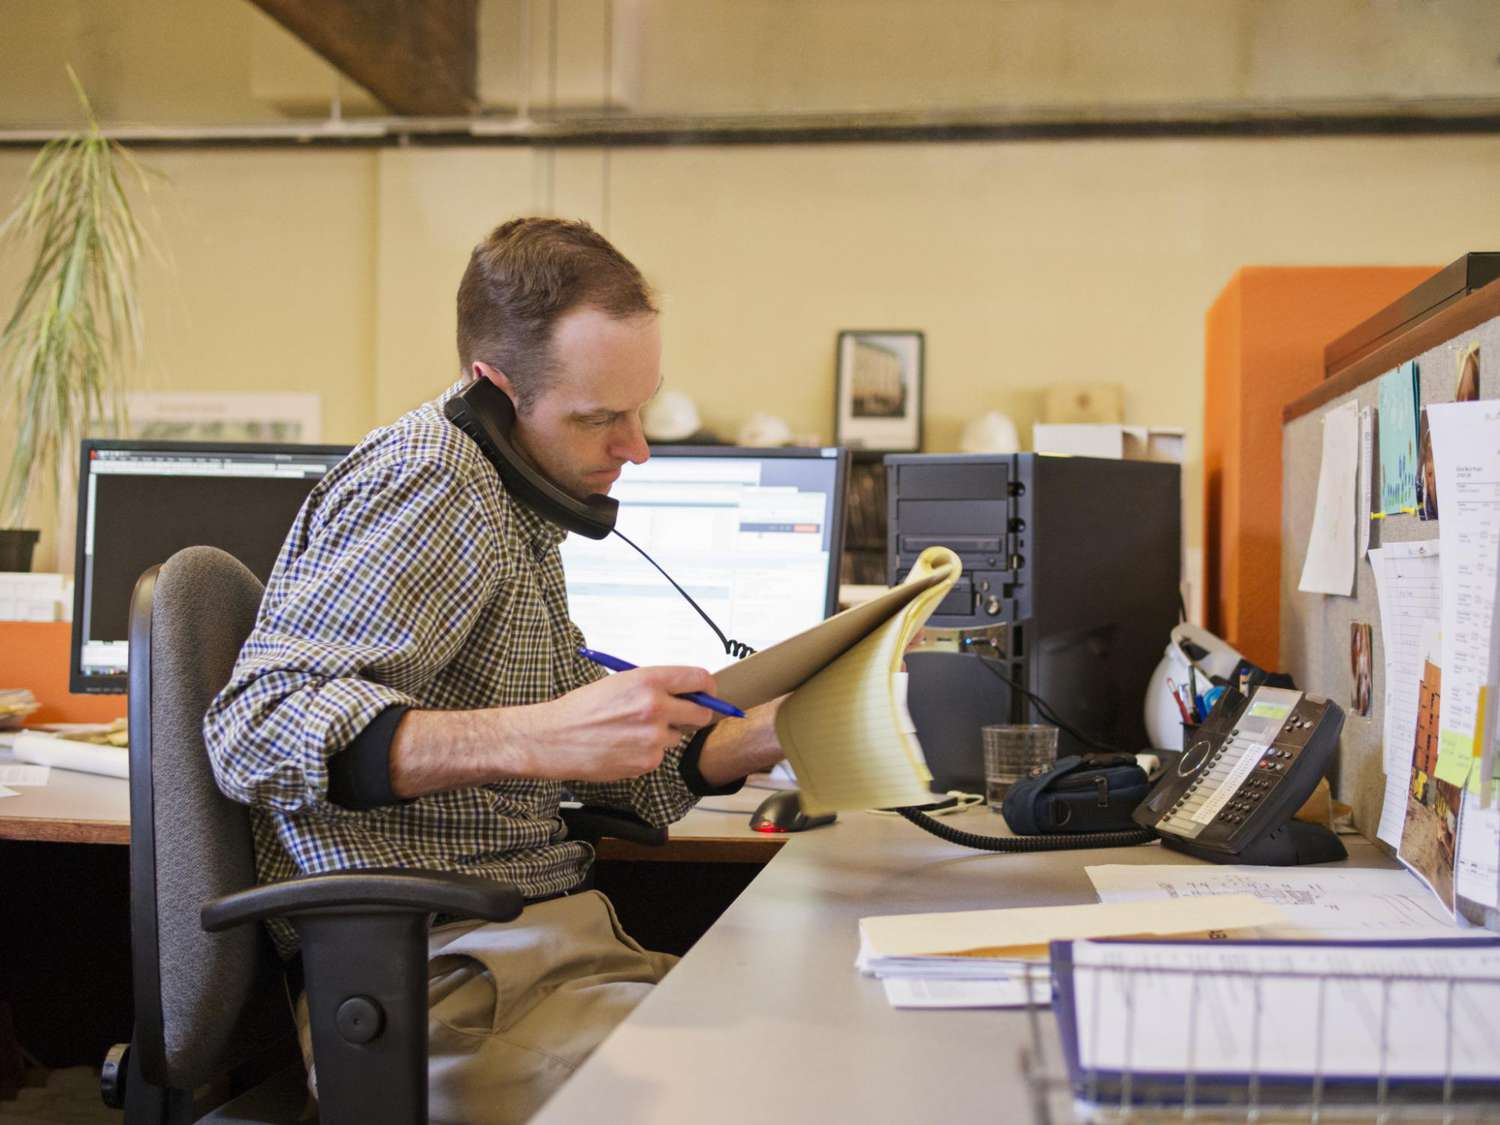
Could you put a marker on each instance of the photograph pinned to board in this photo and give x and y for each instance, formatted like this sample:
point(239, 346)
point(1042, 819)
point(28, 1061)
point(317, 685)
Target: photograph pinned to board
point(1429, 836)
point(1427, 489)
point(1329, 565)
point(1399, 394)
point(1467, 388)
point(878, 392)
point(1361, 666)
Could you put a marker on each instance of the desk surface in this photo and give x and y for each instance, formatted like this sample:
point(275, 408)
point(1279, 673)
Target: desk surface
point(768, 1001)
point(83, 808)
point(766, 1018)
point(72, 808)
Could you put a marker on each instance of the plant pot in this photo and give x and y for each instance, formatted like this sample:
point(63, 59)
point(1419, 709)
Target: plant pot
point(16, 545)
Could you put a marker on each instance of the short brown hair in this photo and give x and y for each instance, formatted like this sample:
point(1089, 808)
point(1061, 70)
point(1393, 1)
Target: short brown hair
point(522, 279)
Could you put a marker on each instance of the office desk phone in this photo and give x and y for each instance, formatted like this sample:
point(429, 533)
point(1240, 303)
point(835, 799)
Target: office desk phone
point(1242, 777)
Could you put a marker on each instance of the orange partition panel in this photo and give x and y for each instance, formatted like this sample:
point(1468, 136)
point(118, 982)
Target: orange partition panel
point(1264, 347)
point(34, 654)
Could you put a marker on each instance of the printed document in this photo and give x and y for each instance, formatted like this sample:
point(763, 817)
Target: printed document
point(1409, 586)
point(1327, 903)
point(1476, 869)
point(1466, 454)
point(1329, 566)
point(1024, 932)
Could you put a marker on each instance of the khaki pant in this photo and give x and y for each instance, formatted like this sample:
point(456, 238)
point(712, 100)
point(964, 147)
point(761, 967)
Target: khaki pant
point(514, 1007)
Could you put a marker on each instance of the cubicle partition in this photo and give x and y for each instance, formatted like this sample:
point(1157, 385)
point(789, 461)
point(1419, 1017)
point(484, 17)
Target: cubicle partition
point(1315, 644)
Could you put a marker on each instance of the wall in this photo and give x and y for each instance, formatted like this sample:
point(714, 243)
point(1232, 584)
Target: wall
point(1024, 263)
point(224, 61)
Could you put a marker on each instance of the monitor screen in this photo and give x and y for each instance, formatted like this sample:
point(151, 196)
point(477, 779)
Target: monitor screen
point(754, 535)
point(141, 502)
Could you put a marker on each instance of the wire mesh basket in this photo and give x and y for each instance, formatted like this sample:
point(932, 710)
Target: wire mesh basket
point(1122, 1080)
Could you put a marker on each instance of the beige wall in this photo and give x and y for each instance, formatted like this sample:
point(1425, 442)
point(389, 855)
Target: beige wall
point(1024, 263)
point(204, 62)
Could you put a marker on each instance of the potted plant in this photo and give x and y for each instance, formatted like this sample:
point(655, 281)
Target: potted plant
point(75, 328)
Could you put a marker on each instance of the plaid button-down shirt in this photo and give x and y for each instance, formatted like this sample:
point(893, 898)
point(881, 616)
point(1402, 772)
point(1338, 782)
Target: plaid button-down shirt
point(410, 577)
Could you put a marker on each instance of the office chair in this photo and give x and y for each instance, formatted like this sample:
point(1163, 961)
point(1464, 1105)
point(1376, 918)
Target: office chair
point(209, 990)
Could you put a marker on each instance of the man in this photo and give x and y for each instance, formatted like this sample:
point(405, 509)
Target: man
point(412, 695)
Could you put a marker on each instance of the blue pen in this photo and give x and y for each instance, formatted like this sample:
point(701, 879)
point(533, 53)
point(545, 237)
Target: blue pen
point(702, 698)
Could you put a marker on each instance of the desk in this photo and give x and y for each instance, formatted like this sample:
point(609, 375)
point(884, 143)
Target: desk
point(769, 1000)
point(72, 808)
point(83, 808)
point(766, 1019)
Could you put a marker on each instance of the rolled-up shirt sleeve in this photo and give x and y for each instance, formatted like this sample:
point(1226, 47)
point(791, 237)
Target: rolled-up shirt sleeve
point(377, 588)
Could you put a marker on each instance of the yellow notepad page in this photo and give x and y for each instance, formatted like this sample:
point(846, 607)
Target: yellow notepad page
point(1025, 931)
point(845, 731)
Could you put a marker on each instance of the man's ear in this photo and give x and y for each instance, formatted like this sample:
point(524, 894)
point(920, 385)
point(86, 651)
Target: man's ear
point(482, 370)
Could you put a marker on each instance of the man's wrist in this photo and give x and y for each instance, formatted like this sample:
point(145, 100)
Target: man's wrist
point(736, 748)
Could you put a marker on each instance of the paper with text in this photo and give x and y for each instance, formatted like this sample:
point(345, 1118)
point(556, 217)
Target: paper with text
point(1476, 869)
point(1342, 903)
point(1026, 931)
point(1012, 992)
point(1365, 506)
point(1466, 456)
point(1329, 565)
point(1288, 1010)
point(24, 775)
point(845, 727)
point(1409, 587)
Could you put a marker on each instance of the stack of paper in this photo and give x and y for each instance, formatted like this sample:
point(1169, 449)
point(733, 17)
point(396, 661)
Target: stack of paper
point(1327, 903)
point(26, 596)
point(1001, 947)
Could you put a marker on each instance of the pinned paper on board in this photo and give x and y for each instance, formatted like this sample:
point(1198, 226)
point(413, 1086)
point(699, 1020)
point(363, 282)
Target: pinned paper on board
point(1466, 438)
point(1399, 390)
point(1364, 508)
point(1429, 836)
point(1409, 584)
point(1329, 565)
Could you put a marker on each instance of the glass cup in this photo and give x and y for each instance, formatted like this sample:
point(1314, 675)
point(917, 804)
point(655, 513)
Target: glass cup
point(1015, 752)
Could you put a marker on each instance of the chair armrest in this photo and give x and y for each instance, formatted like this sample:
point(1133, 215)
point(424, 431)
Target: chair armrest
point(385, 890)
point(593, 822)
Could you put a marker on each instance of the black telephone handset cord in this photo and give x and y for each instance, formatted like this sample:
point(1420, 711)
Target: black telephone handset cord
point(736, 649)
point(1058, 843)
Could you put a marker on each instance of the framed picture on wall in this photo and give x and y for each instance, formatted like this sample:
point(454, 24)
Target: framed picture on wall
point(878, 392)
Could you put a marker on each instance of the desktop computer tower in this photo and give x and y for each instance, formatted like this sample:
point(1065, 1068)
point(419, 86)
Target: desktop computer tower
point(1069, 590)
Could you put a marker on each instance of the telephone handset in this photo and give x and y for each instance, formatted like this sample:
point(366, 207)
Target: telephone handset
point(1242, 777)
point(486, 414)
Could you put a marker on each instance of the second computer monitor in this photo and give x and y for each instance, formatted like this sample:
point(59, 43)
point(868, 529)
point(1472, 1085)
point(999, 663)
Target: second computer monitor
point(140, 502)
point(754, 535)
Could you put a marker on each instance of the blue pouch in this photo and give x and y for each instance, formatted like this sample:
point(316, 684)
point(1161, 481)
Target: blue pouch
point(1077, 795)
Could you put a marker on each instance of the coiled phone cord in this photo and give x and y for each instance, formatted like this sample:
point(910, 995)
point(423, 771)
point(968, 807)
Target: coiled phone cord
point(1057, 843)
point(736, 649)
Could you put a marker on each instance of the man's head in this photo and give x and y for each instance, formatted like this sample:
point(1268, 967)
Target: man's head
point(564, 324)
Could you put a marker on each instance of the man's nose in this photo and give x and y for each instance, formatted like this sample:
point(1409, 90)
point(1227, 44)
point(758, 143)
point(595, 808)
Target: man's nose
point(632, 445)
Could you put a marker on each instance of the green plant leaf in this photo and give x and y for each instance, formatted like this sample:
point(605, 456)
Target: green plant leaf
point(75, 327)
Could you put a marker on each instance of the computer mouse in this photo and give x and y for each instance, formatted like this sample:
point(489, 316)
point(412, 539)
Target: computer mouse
point(782, 812)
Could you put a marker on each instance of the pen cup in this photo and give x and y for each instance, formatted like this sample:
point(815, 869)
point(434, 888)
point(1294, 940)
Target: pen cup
point(1012, 752)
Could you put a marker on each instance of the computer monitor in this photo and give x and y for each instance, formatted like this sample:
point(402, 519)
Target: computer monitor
point(140, 502)
point(754, 535)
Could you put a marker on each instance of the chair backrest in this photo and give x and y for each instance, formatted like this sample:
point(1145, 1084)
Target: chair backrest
point(203, 1002)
